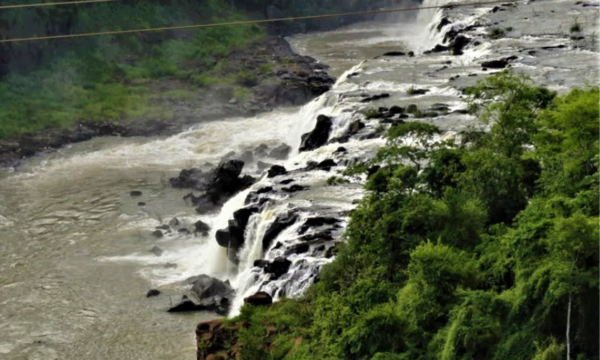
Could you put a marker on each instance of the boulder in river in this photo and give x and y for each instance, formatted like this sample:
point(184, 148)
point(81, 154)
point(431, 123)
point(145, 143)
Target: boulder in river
point(202, 227)
point(318, 136)
point(317, 221)
point(152, 293)
point(135, 193)
point(297, 249)
point(458, 44)
point(156, 250)
point(157, 234)
point(276, 170)
point(261, 298)
point(498, 64)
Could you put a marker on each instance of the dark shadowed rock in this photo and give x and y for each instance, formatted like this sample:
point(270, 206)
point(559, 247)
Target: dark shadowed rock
point(259, 299)
point(281, 222)
point(394, 53)
point(458, 44)
point(261, 263)
point(367, 99)
point(201, 227)
point(174, 222)
point(278, 267)
point(156, 251)
point(318, 136)
point(297, 249)
point(317, 222)
point(355, 127)
point(498, 64)
point(135, 193)
point(207, 288)
point(340, 150)
point(152, 293)
point(276, 170)
point(294, 188)
point(247, 157)
point(326, 164)
point(157, 234)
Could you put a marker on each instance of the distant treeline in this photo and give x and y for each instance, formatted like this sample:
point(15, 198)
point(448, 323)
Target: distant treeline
point(131, 14)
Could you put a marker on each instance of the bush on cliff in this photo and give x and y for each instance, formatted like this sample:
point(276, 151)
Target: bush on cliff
point(438, 266)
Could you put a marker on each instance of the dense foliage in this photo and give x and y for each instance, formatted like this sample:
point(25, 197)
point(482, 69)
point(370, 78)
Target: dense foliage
point(489, 250)
point(57, 83)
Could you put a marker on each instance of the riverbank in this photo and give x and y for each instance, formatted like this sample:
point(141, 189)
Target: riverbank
point(256, 79)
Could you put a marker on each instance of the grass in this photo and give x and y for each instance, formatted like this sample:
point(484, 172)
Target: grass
point(411, 90)
point(178, 94)
point(496, 33)
point(106, 79)
point(372, 114)
point(575, 27)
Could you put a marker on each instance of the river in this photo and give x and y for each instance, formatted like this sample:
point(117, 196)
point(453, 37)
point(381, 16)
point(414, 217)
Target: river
point(75, 260)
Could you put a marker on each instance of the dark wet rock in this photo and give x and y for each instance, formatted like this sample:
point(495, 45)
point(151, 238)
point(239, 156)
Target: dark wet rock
point(163, 227)
point(259, 299)
point(443, 22)
point(210, 290)
point(437, 49)
point(152, 293)
point(281, 152)
point(317, 222)
point(141, 203)
point(287, 181)
point(354, 74)
point(396, 110)
point(156, 251)
point(355, 127)
point(233, 236)
point(185, 231)
point(458, 44)
point(170, 266)
point(201, 227)
point(320, 235)
point(411, 53)
point(326, 165)
point(281, 222)
point(174, 222)
point(135, 193)
point(498, 64)
point(318, 136)
point(294, 188)
point(278, 267)
point(297, 249)
point(375, 97)
point(414, 91)
point(276, 170)
point(264, 190)
point(340, 150)
point(439, 107)
point(394, 53)
point(184, 304)
point(157, 234)
point(261, 263)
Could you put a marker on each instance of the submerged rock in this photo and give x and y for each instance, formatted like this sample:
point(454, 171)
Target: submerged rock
point(152, 293)
point(156, 251)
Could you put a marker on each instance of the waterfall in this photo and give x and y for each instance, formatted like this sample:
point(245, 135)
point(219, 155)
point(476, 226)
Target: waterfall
point(248, 279)
point(427, 20)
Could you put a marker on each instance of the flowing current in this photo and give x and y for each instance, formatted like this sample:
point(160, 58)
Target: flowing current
point(75, 260)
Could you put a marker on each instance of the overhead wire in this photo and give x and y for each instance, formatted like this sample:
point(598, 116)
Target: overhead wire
point(251, 22)
point(20, 6)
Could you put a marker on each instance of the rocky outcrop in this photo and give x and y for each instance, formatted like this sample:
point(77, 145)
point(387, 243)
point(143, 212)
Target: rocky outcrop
point(261, 298)
point(206, 294)
point(232, 237)
point(318, 136)
point(217, 185)
point(282, 222)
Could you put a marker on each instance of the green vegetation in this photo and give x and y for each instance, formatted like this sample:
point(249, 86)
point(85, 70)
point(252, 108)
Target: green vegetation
point(107, 78)
point(489, 250)
point(496, 33)
point(576, 26)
